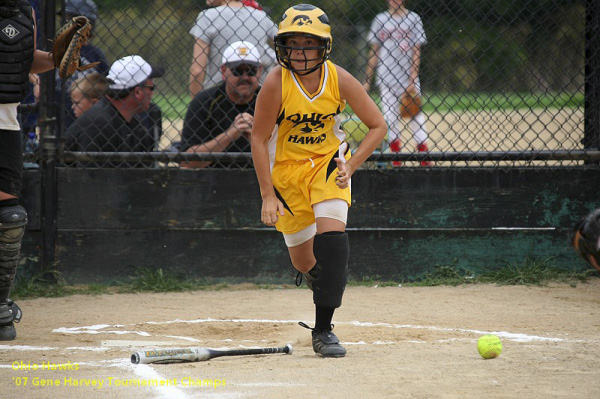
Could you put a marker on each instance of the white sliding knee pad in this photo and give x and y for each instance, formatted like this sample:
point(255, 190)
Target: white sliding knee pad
point(295, 239)
point(333, 209)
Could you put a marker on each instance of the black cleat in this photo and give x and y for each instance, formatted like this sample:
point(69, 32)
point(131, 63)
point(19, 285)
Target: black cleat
point(8, 332)
point(325, 343)
point(10, 313)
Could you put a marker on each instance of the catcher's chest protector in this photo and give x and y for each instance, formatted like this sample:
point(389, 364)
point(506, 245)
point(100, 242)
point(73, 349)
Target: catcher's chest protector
point(16, 54)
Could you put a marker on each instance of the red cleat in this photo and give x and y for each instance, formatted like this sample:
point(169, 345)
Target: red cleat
point(423, 148)
point(395, 146)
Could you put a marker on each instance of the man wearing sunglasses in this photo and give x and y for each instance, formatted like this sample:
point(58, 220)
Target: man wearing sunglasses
point(220, 118)
point(113, 124)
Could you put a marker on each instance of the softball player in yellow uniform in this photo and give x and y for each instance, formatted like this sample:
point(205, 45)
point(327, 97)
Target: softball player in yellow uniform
point(302, 162)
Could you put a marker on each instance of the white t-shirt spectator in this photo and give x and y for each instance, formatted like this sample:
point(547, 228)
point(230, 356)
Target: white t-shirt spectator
point(223, 25)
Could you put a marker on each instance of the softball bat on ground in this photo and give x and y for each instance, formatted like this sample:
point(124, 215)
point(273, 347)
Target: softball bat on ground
point(183, 355)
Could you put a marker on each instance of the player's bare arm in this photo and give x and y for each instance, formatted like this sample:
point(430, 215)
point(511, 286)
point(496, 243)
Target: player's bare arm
point(42, 60)
point(368, 112)
point(242, 125)
point(372, 60)
point(198, 67)
point(268, 103)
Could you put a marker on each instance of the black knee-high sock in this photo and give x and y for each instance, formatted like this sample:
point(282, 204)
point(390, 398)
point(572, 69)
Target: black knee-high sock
point(323, 318)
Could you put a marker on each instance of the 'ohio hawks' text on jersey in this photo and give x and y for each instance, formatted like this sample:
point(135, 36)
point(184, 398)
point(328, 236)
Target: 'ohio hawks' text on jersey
point(308, 125)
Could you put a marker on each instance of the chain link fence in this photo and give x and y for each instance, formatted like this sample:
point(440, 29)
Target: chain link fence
point(502, 83)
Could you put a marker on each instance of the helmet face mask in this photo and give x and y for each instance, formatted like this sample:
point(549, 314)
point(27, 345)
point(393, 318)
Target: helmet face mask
point(286, 54)
point(304, 21)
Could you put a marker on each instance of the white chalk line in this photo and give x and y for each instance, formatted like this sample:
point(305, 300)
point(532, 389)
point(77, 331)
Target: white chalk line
point(25, 348)
point(149, 373)
point(97, 329)
point(517, 337)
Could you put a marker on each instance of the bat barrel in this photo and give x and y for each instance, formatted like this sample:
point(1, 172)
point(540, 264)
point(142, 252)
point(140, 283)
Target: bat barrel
point(198, 354)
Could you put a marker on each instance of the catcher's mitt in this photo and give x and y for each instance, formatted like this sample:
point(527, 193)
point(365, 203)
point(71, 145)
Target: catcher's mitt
point(586, 239)
point(67, 45)
point(411, 104)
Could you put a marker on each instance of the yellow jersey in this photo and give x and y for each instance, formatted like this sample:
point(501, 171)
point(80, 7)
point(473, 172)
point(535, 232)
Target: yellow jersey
point(308, 125)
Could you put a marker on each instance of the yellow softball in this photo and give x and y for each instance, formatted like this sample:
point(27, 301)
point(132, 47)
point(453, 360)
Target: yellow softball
point(489, 346)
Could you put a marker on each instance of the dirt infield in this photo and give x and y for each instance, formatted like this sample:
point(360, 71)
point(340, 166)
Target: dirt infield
point(517, 130)
point(403, 342)
point(473, 131)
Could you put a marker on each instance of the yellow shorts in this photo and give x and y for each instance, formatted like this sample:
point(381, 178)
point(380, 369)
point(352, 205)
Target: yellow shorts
point(301, 184)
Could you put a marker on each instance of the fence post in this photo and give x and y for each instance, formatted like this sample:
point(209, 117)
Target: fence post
point(591, 136)
point(48, 144)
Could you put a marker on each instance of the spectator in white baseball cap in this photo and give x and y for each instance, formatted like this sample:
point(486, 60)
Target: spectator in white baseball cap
point(113, 123)
point(131, 71)
point(241, 69)
point(220, 117)
point(241, 53)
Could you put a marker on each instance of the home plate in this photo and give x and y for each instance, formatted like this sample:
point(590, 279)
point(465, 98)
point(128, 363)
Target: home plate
point(130, 343)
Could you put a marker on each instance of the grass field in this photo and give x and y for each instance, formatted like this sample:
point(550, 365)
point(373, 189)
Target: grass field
point(538, 272)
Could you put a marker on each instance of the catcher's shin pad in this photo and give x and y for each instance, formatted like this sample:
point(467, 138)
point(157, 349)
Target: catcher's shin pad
point(68, 41)
point(411, 105)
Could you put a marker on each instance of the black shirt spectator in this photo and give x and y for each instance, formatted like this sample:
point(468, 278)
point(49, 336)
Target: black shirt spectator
point(114, 124)
point(103, 129)
point(220, 118)
point(209, 114)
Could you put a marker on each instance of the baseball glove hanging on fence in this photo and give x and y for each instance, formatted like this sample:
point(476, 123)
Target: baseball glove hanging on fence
point(411, 104)
point(586, 238)
point(69, 40)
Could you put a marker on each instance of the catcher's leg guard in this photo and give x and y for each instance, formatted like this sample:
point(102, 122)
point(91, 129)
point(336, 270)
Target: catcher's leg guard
point(13, 219)
point(331, 250)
